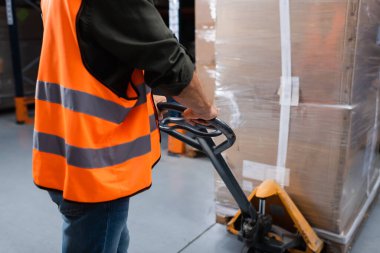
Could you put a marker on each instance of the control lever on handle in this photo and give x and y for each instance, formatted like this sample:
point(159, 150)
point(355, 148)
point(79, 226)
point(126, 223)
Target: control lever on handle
point(216, 128)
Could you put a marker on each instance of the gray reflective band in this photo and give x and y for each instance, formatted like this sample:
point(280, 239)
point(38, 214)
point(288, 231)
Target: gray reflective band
point(142, 91)
point(91, 158)
point(79, 101)
point(152, 122)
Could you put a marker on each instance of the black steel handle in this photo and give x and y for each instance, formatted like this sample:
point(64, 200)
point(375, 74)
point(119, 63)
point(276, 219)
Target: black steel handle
point(202, 141)
point(162, 106)
point(172, 123)
point(216, 128)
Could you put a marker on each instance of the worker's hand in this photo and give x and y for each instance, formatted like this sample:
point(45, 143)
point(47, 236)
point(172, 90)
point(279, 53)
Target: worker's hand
point(158, 99)
point(200, 117)
point(200, 109)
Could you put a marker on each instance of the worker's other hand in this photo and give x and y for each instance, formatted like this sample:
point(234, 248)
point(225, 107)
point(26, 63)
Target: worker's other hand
point(159, 99)
point(200, 116)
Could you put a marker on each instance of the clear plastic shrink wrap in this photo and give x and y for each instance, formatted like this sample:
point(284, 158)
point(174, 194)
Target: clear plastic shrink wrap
point(205, 11)
point(330, 169)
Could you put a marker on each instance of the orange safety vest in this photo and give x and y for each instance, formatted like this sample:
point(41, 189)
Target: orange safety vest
point(88, 142)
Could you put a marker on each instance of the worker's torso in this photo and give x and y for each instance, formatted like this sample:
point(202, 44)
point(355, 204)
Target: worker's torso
point(88, 142)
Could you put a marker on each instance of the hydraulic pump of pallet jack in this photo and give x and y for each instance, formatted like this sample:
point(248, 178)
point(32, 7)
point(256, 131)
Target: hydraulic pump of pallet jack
point(268, 221)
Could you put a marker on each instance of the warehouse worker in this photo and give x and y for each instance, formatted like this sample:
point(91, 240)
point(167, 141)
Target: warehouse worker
point(96, 138)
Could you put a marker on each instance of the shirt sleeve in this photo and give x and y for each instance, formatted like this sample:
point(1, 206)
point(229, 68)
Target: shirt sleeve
point(134, 32)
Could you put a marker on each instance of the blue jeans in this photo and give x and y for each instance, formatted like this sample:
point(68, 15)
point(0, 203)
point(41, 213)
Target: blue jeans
point(93, 228)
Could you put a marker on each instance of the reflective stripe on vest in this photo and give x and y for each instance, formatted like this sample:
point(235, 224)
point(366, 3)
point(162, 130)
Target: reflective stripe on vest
point(152, 122)
point(85, 103)
point(89, 158)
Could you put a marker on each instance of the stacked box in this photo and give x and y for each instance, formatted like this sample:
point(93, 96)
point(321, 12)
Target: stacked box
point(205, 14)
point(30, 36)
point(330, 171)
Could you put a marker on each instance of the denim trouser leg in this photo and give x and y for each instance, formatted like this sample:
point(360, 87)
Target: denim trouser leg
point(95, 228)
point(124, 240)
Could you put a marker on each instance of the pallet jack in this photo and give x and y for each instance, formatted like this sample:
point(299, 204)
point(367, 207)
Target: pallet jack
point(268, 221)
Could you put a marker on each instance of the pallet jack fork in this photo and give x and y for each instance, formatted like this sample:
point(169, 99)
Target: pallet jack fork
point(268, 221)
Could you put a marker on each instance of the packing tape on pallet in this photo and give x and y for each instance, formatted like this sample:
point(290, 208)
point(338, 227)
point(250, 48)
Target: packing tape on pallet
point(289, 92)
point(262, 171)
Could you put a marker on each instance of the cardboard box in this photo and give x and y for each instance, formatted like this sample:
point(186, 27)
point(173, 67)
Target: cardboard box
point(324, 38)
point(327, 158)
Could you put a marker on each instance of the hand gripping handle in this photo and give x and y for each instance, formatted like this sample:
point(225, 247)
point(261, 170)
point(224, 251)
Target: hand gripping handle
point(216, 128)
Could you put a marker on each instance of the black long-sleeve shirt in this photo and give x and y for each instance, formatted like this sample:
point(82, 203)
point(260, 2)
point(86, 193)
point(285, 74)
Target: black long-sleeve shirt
point(117, 36)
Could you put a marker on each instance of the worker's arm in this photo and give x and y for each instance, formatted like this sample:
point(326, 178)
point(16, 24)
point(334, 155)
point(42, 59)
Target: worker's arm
point(133, 32)
point(194, 98)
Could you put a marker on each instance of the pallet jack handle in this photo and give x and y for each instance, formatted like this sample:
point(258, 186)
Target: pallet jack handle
point(201, 139)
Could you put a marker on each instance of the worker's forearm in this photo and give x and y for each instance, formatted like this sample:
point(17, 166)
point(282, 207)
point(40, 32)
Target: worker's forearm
point(194, 97)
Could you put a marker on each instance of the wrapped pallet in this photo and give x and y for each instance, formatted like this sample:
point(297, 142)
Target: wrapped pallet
point(300, 86)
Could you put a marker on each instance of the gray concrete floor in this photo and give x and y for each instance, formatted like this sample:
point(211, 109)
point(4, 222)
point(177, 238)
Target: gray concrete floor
point(176, 215)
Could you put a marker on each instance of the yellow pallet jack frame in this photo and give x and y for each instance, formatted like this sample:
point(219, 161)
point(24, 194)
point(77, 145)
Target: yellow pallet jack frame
point(269, 189)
